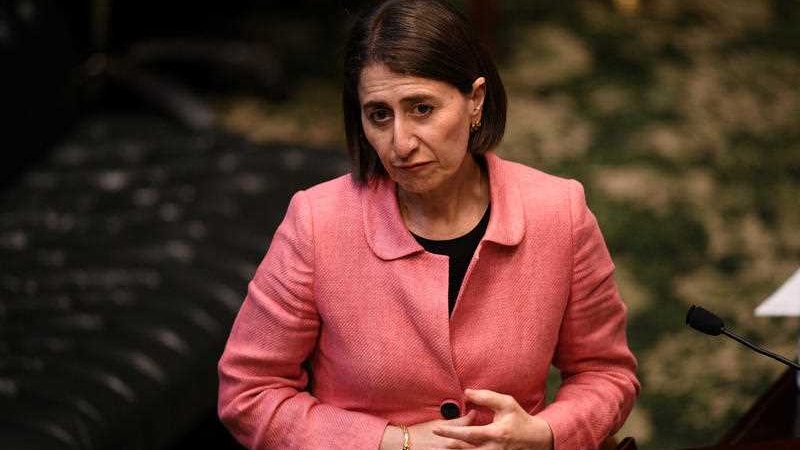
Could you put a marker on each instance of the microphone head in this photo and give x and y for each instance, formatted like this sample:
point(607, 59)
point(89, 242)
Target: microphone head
point(704, 321)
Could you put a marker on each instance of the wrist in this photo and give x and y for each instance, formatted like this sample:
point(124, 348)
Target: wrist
point(392, 438)
point(539, 433)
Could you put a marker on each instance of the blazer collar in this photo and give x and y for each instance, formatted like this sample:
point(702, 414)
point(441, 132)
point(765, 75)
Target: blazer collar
point(389, 238)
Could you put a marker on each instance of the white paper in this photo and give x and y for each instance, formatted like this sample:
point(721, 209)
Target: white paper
point(785, 301)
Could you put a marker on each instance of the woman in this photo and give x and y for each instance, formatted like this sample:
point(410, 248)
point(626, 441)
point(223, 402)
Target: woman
point(431, 289)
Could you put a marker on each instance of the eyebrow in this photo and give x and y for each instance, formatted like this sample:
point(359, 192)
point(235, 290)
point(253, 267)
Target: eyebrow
point(412, 99)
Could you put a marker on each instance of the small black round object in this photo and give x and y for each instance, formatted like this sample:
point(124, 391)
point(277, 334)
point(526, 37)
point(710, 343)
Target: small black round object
point(450, 410)
point(704, 321)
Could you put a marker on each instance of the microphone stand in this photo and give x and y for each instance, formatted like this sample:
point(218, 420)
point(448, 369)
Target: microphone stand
point(758, 349)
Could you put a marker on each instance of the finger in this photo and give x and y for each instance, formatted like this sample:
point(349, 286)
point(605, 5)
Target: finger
point(464, 420)
point(450, 444)
point(475, 435)
point(453, 444)
point(493, 400)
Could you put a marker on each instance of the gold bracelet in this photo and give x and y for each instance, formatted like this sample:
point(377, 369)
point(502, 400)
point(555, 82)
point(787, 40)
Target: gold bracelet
point(406, 437)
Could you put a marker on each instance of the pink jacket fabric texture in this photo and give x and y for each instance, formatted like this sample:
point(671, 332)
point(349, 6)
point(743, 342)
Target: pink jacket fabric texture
point(345, 286)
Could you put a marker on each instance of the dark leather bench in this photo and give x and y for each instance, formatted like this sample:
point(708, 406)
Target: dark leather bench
point(124, 258)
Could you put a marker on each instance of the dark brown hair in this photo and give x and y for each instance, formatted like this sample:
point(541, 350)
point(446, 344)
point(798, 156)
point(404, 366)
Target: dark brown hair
point(423, 38)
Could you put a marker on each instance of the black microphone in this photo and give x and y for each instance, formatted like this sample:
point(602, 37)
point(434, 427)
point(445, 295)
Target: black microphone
point(707, 322)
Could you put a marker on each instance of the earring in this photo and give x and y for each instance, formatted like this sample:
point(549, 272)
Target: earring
point(475, 125)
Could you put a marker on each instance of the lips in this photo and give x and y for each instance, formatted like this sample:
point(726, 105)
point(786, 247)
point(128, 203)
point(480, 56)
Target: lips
point(412, 167)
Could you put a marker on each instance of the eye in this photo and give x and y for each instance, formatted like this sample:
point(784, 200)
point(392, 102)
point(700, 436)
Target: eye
point(422, 109)
point(379, 116)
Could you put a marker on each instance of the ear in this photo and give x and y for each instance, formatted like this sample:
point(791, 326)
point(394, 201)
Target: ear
point(477, 96)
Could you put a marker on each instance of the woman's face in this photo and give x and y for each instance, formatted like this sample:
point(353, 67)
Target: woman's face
point(419, 127)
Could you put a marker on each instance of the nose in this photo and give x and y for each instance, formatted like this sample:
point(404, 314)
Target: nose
point(404, 139)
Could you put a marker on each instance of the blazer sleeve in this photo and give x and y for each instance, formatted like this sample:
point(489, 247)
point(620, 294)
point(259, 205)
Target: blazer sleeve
point(261, 380)
point(599, 384)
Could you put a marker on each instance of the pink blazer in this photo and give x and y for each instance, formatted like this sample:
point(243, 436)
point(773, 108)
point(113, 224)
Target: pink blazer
point(345, 285)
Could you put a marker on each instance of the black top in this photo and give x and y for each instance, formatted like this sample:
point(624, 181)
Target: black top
point(460, 251)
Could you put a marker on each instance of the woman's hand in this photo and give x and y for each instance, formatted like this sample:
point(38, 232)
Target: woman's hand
point(422, 436)
point(511, 429)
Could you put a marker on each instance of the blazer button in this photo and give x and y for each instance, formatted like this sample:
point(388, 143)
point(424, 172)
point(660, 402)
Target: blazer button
point(450, 410)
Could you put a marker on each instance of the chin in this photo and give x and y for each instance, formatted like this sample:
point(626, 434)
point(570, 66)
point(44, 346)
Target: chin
point(415, 186)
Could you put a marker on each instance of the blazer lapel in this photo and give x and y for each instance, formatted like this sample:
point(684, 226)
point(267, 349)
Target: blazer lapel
point(507, 221)
point(385, 230)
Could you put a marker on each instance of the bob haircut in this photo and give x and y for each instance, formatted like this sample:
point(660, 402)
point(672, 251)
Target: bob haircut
point(422, 38)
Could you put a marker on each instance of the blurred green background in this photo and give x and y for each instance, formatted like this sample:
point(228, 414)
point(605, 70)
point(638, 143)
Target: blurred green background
point(682, 119)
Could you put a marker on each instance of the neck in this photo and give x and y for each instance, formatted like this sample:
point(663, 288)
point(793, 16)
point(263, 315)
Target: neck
point(451, 210)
